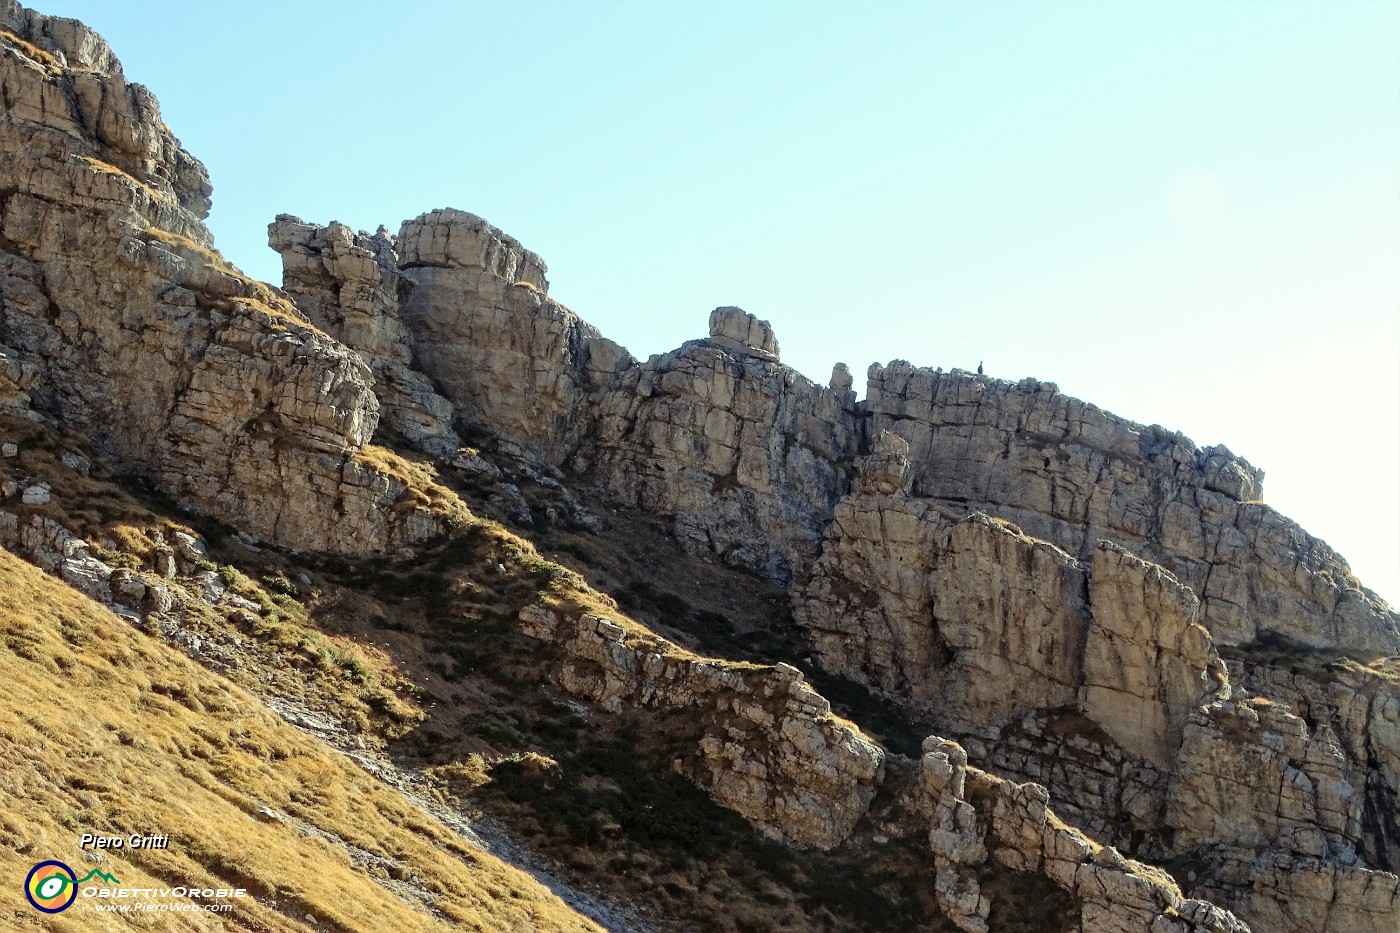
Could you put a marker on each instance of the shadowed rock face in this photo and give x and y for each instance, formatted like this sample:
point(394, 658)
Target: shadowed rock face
point(349, 286)
point(769, 747)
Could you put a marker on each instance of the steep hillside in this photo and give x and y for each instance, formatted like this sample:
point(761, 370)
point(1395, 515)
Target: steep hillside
point(702, 644)
point(107, 731)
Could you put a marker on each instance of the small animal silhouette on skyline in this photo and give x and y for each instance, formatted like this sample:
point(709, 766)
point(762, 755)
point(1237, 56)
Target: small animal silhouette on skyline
point(979, 367)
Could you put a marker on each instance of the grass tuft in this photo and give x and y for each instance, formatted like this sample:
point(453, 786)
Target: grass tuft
point(44, 57)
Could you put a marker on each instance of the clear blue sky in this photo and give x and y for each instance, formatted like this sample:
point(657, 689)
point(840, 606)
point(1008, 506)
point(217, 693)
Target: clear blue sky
point(1188, 213)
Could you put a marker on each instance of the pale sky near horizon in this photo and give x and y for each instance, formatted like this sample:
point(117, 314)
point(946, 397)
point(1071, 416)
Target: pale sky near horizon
point(1185, 213)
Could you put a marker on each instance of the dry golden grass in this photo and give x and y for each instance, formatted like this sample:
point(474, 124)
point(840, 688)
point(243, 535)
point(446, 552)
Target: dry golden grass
point(185, 244)
point(409, 472)
point(42, 56)
point(279, 311)
point(121, 529)
point(421, 479)
point(284, 652)
point(105, 730)
point(1056, 823)
point(260, 296)
point(1386, 670)
point(106, 168)
point(372, 658)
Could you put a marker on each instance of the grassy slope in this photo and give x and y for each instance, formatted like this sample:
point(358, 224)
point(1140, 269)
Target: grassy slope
point(418, 654)
point(103, 729)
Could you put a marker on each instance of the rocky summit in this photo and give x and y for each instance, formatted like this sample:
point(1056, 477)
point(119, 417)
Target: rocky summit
point(696, 642)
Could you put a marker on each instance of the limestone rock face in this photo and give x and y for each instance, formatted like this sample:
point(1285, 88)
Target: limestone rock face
point(1147, 664)
point(1073, 474)
point(742, 451)
point(746, 455)
point(885, 471)
point(453, 239)
point(117, 319)
point(1217, 795)
point(978, 820)
point(348, 285)
point(866, 608)
point(1301, 894)
point(513, 361)
point(454, 318)
point(736, 329)
point(1096, 678)
point(1361, 707)
point(945, 615)
point(1045, 582)
point(1275, 807)
point(16, 379)
point(74, 105)
point(771, 749)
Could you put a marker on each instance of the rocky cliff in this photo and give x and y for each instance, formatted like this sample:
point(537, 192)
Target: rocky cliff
point(1146, 691)
point(119, 319)
point(951, 535)
point(1073, 474)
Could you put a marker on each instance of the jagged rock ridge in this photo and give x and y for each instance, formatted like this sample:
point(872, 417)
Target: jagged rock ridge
point(117, 317)
point(952, 534)
point(947, 533)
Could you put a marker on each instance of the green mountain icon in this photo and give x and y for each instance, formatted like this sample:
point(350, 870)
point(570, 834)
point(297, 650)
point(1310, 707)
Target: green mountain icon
point(100, 875)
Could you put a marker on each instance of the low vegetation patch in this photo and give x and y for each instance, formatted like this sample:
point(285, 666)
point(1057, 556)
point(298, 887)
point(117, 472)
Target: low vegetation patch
point(106, 168)
point(42, 56)
point(258, 297)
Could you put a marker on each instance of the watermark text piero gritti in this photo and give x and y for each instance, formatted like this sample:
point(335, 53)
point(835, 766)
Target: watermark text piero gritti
point(52, 886)
point(134, 841)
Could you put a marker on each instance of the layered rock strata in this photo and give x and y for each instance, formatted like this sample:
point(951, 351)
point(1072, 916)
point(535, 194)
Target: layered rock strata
point(117, 318)
point(1360, 706)
point(1046, 582)
point(349, 285)
point(1274, 811)
point(947, 537)
point(943, 614)
point(772, 752)
point(977, 820)
point(750, 459)
point(1073, 474)
point(770, 749)
point(516, 363)
point(744, 453)
point(1121, 704)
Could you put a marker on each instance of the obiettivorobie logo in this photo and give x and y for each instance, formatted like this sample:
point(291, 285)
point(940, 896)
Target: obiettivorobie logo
point(52, 886)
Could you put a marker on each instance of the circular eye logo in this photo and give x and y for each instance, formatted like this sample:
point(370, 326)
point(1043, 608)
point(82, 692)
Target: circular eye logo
point(51, 887)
